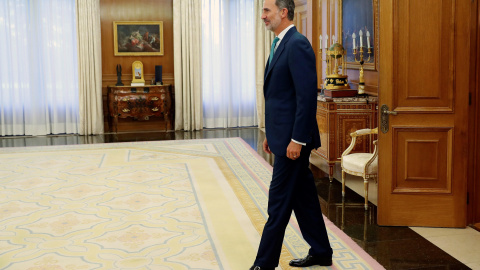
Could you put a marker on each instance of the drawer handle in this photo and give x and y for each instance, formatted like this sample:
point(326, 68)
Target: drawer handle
point(125, 110)
point(155, 98)
point(155, 109)
point(124, 99)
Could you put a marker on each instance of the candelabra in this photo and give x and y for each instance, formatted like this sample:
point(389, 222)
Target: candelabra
point(360, 51)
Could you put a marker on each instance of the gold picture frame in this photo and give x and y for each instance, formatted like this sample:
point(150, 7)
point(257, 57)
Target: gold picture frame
point(358, 13)
point(138, 38)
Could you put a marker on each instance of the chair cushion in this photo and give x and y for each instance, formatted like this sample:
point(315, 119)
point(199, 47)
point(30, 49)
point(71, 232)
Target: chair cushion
point(356, 163)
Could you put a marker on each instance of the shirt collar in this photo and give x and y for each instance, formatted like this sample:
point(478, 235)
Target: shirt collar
point(282, 34)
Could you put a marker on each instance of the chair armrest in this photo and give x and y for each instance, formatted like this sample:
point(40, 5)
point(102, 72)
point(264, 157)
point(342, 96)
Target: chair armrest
point(354, 135)
point(350, 147)
point(370, 161)
point(365, 131)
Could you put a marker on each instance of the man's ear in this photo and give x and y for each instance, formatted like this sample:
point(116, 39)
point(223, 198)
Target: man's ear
point(284, 13)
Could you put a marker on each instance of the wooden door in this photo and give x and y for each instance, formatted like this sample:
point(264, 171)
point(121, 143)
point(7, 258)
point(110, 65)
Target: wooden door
point(474, 127)
point(424, 80)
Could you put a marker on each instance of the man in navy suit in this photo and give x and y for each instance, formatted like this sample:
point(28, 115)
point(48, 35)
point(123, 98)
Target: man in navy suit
point(290, 91)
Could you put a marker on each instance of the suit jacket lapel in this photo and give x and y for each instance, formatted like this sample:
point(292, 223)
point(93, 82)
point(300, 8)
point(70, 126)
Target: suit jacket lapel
point(279, 50)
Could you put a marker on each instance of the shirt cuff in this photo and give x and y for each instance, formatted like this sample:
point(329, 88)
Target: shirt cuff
point(299, 142)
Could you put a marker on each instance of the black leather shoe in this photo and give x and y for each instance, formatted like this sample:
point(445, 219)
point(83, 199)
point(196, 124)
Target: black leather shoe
point(260, 268)
point(310, 260)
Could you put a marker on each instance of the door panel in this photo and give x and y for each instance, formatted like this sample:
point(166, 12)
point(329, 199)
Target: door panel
point(424, 80)
point(423, 164)
point(423, 55)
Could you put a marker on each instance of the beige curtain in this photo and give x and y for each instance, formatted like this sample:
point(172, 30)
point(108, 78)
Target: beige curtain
point(187, 32)
point(89, 67)
point(263, 41)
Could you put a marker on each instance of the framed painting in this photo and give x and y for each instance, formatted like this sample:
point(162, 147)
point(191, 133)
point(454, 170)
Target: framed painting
point(138, 38)
point(359, 15)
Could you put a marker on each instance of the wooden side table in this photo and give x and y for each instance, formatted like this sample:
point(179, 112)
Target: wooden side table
point(139, 102)
point(336, 119)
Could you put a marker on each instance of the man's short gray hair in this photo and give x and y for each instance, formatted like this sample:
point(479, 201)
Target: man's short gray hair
point(289, 5)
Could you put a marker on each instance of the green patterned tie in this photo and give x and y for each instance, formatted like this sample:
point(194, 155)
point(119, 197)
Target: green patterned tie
point(272, 50)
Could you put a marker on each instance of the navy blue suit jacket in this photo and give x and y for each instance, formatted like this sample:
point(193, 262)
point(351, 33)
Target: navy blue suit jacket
point(290, 91)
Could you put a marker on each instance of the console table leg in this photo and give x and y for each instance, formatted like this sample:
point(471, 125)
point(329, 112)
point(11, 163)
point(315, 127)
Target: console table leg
point(330, 171)
point(115, 123)
point(167, 122)
point(110, 123)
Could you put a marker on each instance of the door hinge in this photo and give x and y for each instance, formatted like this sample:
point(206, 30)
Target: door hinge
point(468, 198)
point(469, 99)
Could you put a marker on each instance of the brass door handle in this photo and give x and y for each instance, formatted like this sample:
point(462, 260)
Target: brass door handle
point(384, 125)
point(390, 112)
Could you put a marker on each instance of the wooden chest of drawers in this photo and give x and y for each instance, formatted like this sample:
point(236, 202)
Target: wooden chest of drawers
point(336, 119)
point(139, 102)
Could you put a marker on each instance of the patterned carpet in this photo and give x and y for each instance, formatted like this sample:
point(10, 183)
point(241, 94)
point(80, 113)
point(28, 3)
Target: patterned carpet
point(198, 204)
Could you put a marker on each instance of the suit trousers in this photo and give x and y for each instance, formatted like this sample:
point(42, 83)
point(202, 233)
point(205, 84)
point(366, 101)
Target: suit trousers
point(292, 188)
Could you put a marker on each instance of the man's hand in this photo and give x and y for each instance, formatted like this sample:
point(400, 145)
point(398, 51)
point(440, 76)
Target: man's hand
point(293, 150)
point(266, 149)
